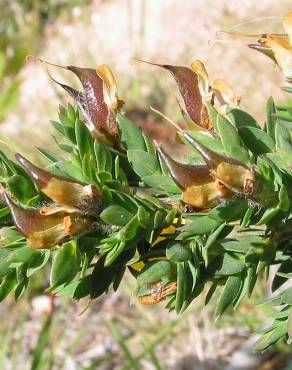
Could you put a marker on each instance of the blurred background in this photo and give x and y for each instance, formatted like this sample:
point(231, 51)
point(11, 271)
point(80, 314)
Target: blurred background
point(41, 332)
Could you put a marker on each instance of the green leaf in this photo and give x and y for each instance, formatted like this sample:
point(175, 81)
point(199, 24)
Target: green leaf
point(83, 138)
point(42, 344)
point(21, 188)
point(4, 212)
point(103, 157)
point(214, 235)
point(22, 255)
point(114, 253)
point(289, 323)
point(230, 211)
point(183, 284)
point(228, 294)
point(284, 201)
point(282, 137)
point(286, 296)
point(170, 217)
point(143, 216)
point(65, 265)
point(213, 114)
point(228, 264)
point(82, 287)
point(144, 164)
point(58, 127)
point(150, 148)
point(285, 118)
point(271, 337)
point(159, 218)
point(178, 252)
point(287, 89)
point(257, 140)
point(247, 216)
point(7, 285)
point(283, 273)
point(130, 134)
point(153, 271)
point(4, 263)
point(252, 279)
point(241, 118)
point(68, 169)
point(116, 215)
point(130, 231)
point(119, 274)
point(101, 278)
point(38, 262)
point(200, 226)
point(208, 140)
point(231, 140)
point(235, 246)
point(22, 281)
point(48, 155)
point(66, 289)
point(271, 120)
point(268, 215)
point(163, 183)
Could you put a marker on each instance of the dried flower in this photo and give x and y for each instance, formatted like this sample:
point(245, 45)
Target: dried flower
point(200, 189)
point(233, 174)
point(72, 195)
point(99, 101)
point(47, 229)
point(157, 292)
point(197, 93)
point(278, 47)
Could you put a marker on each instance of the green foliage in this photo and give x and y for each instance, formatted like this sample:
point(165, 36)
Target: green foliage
point(173, 252)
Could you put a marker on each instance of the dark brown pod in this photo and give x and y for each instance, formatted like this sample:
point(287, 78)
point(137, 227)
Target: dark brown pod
point(232, 173)
point(44, 231)
point(187, 82)
point(200, 189)
point(72, 195)
point(185, 175)
point(98, 102)
point(99, 112)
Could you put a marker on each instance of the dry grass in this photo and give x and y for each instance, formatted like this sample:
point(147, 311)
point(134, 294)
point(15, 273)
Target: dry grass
point(113, 331)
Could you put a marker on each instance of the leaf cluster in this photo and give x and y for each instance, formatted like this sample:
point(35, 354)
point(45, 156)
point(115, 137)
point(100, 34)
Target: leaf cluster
point(174, 253)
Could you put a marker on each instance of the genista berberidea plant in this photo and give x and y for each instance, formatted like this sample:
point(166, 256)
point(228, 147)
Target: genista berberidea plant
point(211, 224)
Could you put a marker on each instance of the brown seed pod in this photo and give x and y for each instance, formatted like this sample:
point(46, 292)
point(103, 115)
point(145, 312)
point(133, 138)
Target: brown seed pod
point(233, 174)
point(44, 231)
point(200, 189)
point(188, 83)
point(158, 292)
point(72, 195)
point(99, 102)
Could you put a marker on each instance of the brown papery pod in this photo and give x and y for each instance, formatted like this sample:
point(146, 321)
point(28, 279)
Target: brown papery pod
point(72, 195)
point(99, 102)
point(232, 173)
point(200, 189)
point(225, 94)
point(187, 82)
point(158, 292)
point(46, 231)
